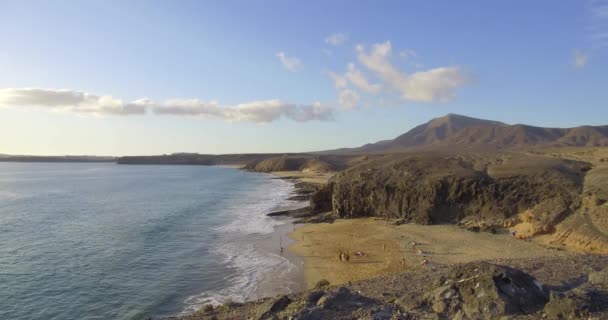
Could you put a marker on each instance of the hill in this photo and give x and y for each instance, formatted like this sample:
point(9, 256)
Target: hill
point(461, 132)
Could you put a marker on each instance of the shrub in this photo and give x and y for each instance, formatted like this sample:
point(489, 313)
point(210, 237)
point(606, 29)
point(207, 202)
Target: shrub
point(323, 283)
point(207, 308)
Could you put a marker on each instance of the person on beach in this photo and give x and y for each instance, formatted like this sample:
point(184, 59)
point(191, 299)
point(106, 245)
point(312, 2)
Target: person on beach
point(413, 245)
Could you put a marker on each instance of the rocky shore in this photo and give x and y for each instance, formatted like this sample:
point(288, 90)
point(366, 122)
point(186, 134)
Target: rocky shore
point(546, 288)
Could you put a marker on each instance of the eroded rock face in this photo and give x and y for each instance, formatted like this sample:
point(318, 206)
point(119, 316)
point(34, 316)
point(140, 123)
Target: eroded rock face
point(321, 200)
point(432, 188)
point(281, 163)
point(305, 163)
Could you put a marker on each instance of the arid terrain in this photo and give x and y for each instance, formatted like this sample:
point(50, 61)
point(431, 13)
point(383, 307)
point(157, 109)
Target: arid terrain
point(459, 218)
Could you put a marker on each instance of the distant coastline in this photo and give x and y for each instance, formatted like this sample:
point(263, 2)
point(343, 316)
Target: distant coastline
point(25, 158)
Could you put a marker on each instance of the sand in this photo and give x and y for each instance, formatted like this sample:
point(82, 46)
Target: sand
point(232, 166)
point(388, 249)
point(310, 177)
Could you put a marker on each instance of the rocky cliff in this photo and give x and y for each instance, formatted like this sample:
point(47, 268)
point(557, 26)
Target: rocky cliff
point(305, 163)
point(446, 188)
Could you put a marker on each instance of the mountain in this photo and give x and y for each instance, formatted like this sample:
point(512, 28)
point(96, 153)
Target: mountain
point(457, 131)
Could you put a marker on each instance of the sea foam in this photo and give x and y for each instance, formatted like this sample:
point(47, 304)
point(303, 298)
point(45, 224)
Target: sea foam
point(243, 245)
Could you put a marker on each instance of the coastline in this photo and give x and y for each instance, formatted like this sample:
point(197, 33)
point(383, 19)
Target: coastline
point(266, 271)
point(280, 281)
point(386, 249)
point(397, 276)
point(286, 281)
point(281, 237)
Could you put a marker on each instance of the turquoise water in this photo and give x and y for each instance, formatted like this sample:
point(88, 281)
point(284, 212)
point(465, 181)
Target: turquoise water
point(106, 241)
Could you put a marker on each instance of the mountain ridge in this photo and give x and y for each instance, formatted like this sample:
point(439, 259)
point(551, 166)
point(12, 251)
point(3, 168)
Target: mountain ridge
point(453, 130)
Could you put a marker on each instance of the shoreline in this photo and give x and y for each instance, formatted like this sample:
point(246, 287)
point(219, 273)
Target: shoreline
point(281, 281)
point(280, 237)
point(276, 273)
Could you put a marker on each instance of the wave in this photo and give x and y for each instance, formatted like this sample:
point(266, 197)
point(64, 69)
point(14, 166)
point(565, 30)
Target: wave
point(248, 216)
point(246, 245)
point(253, 267)
point(9, 195)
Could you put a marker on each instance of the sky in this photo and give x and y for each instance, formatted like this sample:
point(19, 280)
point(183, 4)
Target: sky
point(157, 77)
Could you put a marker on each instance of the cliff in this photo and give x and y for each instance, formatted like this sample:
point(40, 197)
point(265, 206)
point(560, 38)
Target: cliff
point(448, 188)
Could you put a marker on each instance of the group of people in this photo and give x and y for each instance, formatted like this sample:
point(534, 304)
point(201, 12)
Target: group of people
point(420, 253)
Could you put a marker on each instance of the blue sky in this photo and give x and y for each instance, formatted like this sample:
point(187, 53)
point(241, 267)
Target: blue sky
point(151, 77)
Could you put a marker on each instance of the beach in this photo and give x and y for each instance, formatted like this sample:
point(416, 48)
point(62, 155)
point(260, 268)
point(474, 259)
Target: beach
point(387, 249)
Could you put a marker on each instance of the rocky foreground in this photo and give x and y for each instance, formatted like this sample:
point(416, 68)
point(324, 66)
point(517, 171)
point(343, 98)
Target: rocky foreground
point(548, 288)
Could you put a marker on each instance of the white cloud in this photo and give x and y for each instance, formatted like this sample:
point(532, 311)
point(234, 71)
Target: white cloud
point(355, 77)
point(256, 111)
point(86, 103)
point(348, 98)
point(189, 107)
point(436, 84)
point(358, 80)
point(70, 101)
point(336, 39)
point(408, 53)
point(432, 85)
point(340, 81)
point(291, 64)
point(580, 59)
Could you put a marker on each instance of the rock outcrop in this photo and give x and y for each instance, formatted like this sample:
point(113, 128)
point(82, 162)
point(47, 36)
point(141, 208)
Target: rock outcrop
point(485, 291)
point(443, 188)
point(314, 164)
point(477, 290)
point(281, 163)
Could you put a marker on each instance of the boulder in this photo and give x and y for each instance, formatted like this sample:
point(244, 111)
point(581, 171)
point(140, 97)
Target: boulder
point(321, 284)
point(271, 307)
point(567, 305)
point(342, 299)
point(313, 297)
point(599, 278)
point(486, 291)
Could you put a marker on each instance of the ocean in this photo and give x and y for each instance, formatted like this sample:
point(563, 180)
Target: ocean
point(107, 241)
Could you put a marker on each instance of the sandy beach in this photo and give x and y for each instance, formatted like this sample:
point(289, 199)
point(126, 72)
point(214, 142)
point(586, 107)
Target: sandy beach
point(387, 248)
point(310, 177)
